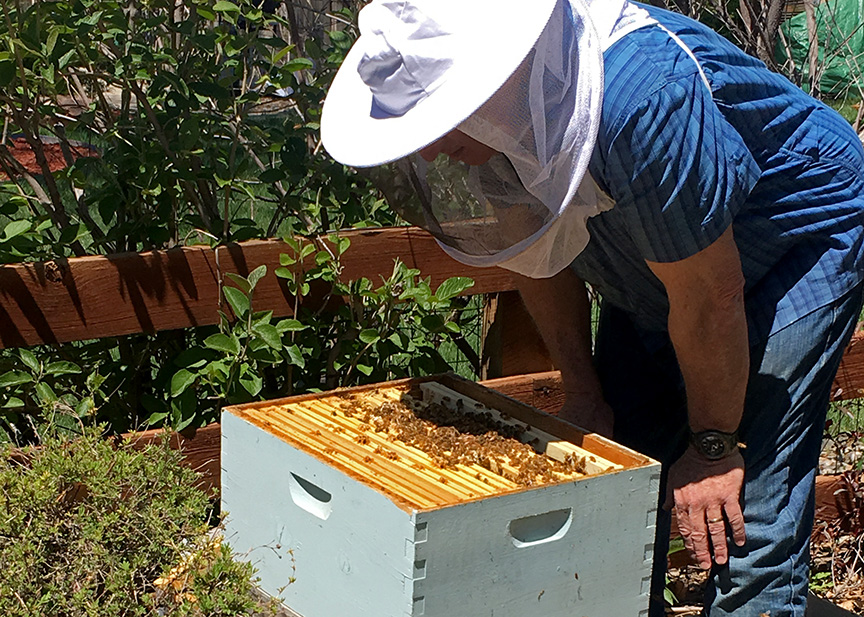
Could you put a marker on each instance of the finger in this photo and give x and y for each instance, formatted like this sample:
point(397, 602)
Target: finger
point(701, 548)
point(717, 532)
point(685, 529)
point(698, 537)
point(695, 534)
point(736, 522)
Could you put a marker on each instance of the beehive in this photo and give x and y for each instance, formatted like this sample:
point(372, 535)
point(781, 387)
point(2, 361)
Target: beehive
point(342, 518)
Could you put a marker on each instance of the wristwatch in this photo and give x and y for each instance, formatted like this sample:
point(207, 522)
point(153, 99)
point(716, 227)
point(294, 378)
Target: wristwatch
point(714, 445)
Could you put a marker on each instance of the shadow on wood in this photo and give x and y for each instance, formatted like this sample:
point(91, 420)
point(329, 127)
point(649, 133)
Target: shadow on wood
point(95, 297)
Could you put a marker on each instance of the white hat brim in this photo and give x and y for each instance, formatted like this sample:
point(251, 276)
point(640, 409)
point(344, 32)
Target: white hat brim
point(353, 136)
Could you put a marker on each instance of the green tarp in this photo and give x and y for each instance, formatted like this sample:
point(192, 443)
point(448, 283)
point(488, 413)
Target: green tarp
point(841, 45)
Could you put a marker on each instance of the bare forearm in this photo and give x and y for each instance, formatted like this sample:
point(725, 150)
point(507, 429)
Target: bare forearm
point(710, 340)
point(708, 328)
point(562, 312)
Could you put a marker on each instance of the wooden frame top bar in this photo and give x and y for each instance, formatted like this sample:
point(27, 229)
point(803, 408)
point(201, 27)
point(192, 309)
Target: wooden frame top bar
point(290, 419)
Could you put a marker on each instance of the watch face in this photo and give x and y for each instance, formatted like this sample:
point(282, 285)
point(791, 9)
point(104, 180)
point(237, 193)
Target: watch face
point(713, 446)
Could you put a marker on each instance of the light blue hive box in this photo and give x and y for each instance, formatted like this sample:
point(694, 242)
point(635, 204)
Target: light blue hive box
point(338, 529)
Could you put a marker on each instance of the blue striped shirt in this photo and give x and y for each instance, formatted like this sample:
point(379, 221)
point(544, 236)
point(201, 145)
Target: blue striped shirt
point(683, 164)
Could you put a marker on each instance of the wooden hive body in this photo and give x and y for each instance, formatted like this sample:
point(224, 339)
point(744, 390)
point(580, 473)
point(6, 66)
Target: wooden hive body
point(336, 530)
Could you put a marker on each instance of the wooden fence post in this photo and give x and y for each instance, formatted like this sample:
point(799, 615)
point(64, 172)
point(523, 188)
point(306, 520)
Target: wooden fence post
point(512, 345)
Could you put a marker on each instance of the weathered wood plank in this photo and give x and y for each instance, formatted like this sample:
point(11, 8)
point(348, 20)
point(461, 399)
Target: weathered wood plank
point(541, 390)
point(549, 395)
point(100, 296)
point(200, 451)
point(513, 345)
point(849, 383)
point(93, 297)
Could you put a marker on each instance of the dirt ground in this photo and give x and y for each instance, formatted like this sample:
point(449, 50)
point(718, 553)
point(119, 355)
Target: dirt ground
point(20, 149)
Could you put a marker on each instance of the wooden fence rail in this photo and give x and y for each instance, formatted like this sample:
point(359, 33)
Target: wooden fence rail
point(95, 297)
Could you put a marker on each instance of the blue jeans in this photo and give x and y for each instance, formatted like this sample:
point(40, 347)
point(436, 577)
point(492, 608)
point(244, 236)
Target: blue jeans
point(787, 397)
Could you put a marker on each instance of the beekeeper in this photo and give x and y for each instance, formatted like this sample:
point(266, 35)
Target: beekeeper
point(717, 210)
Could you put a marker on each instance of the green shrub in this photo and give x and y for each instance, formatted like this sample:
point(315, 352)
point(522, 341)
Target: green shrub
point(174, 97)
point(93, 528)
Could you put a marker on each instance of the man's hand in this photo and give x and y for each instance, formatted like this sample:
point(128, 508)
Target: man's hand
point(596, 418)
point(707, 497)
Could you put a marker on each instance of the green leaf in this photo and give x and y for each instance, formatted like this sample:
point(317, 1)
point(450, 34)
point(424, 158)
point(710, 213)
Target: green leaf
point(676, 545)
point(209, 89)
point(7, 72)
point(85, 406)
point(251, 382)
point(64, 60)
point(295, 357)
point(224, 343)
point(366, 370)
point(369, 336)
point(223, 6)
point(307, 250)
point(45, 393)
point(13, 403)
point(453, 287)
point(68, 422)
point(181, 380)
point(238, 301)
point(156, 417)
point(14, 378)
point(262, 317)
point(256, 275)
point(185, 421)
point(269, 334)
point(284, 273)
point(194, 357)
point(260, 352)
point(62, 368)
point(298, 64)
point(94, 381)
point(72, 233)
point(16, 228)
point(30, 360)
point(281, 53)
point(669, 597)
point(241, 282)
point(183, 410)
point(290, 325)
point(51, 42)
point(205, 13)
point(273, 175)
point(432, 323)
point(286, 260)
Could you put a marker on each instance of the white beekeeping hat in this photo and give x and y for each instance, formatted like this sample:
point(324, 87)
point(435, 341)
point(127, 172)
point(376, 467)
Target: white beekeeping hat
point(525, 78)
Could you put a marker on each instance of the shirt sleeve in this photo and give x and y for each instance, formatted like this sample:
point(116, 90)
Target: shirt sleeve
point(678, 171)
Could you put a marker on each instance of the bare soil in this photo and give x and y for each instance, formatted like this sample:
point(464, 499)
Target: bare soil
point(24, 154)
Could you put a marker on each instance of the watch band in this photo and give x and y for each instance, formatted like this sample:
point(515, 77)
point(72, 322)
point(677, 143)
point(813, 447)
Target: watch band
point(715, 445)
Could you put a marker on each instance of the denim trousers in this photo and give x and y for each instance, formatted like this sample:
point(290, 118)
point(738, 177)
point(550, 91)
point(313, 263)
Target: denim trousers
point(787, 398)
